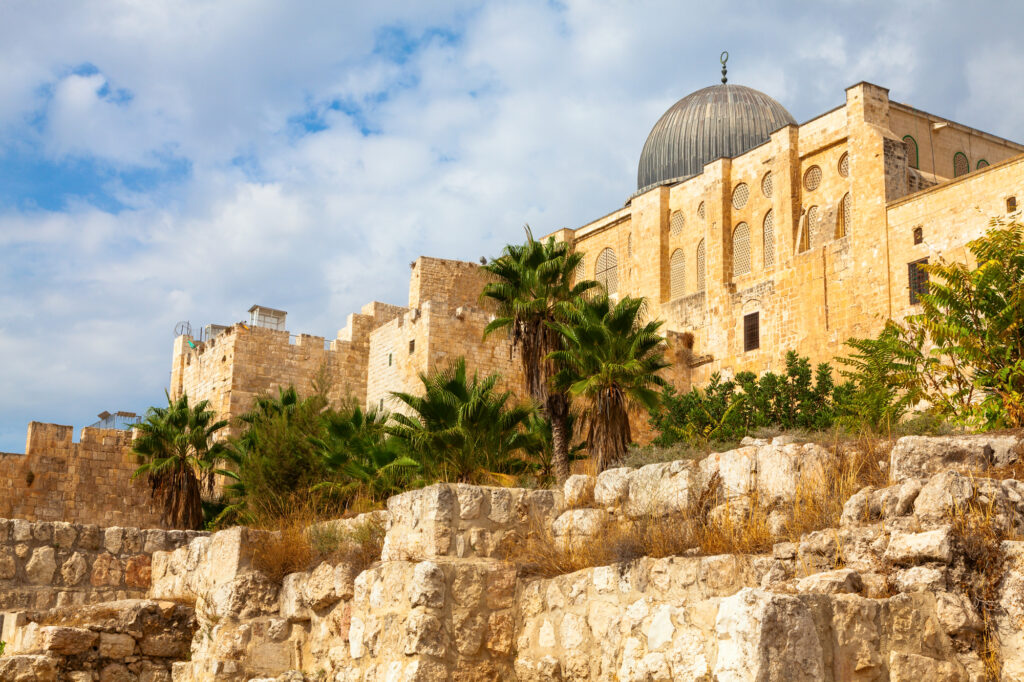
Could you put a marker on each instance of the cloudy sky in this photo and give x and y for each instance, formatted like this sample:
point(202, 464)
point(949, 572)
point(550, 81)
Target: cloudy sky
point(167, 161)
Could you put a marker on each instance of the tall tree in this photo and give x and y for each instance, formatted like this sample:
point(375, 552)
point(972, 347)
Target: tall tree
point(531, 281)
point(176, 444)
point(463, 429)
point(610, 360)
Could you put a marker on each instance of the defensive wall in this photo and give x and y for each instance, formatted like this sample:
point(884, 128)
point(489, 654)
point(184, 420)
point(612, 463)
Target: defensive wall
point(89, 481)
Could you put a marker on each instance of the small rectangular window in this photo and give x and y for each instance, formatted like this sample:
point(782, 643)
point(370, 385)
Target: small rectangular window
point(751, 332)
point(389, 359)
point(1011, 204)
point(918, 235)
point(412, 345)
point(917, 278)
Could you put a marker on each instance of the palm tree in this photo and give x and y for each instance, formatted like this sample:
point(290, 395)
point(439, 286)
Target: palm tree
point(177, 445)
point(531, 281)
point(465, 430)
point(362, 461)
point(611, 359)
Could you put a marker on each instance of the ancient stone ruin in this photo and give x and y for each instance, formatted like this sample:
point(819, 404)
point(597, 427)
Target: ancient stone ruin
point(886, 595)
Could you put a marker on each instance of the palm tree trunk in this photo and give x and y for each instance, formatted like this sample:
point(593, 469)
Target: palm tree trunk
point(558, 413)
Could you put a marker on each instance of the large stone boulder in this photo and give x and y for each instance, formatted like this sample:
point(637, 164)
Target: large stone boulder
point(922, 456)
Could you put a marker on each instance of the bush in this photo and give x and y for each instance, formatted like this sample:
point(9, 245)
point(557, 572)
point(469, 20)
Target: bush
point(728, 410)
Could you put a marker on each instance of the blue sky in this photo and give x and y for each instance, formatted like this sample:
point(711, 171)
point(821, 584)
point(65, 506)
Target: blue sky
point(181, 161)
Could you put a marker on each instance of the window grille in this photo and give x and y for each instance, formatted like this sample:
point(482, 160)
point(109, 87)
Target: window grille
point(913, 155)
point(741, 250)
point(700, 266)
point(740, 196)
point(812, 178)
point(844, 165)
point(677, 274)
point(982, 163)
point(700, 211)
point(845, 211)
point(751, 332)
point(769, 239)
point(918, 235)
point(607, 273)
point(579, 273)
point(960, 165)
point(1011, 204)
point(677, 222)
point(917, 277)
point(766, 185)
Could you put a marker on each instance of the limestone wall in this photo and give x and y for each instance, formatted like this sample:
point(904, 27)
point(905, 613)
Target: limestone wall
point(47, 564)
point(85, 482)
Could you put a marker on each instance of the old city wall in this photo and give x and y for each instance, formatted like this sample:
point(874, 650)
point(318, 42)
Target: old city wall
point(44, 564)
point(85, 482)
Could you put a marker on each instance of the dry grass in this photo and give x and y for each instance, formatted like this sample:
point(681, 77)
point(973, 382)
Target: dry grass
point(301, 539)
point(713, 522)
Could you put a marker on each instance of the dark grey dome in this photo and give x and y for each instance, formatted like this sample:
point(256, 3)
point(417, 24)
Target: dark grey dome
point(720, 121)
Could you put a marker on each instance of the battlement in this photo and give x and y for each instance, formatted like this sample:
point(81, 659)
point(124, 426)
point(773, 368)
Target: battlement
point(90, 481)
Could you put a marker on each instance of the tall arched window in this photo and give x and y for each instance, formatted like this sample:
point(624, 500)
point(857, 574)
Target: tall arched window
point(982, 163)
point(580, 272)
point(913, 156)
point(843, 224)
point(961, 166)
point(700, 266)
point(803, 237)
point(607, 273)
point(741, 250)
point(677, 274)
point(769, 239)
point(677, 221)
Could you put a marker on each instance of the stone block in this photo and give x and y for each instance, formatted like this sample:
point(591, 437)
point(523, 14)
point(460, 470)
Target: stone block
point(113, 645)
point(922, 456)
point(916, 548)
point(840, 581)
point(41, 566)
point(612, 487)
point(65, 641)
point(578, 490)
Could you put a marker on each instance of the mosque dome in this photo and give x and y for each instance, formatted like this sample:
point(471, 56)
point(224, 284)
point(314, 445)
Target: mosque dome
point(723, 120)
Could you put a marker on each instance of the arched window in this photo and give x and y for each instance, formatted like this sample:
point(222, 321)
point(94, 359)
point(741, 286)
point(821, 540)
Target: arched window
point(769, 239)
point(700, 211)
point(913, 156)
point(580, 272)
point(741, 250)
point(844, 165)
point(843, 224)
point(677, 274)
point(700, 266)
point(740, 196)
point(803, 236)
point(607, 273)
point(677, 223)
point(766, 185)
point(982, 163)
point(961, 166)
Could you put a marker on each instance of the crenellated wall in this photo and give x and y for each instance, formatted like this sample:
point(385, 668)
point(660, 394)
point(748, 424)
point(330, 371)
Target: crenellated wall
point(89, 481)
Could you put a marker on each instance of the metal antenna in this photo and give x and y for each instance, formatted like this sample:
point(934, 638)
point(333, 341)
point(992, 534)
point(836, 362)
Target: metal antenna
point(724, 57)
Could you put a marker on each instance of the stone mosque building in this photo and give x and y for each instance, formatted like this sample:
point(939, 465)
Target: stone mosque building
point(749, 234)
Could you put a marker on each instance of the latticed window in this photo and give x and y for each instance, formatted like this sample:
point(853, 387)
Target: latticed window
point(918, 280)
point(845, 210)
point(812, 178)
point(580, 272)
point(960, 165)
point(751, 332)
point(913, 156)
point(700, 211)
point(803, 241)
point(766, 185)
point(740, 196)
point(844, 165)
point(741, 250)
point(982, 163)
point(607, 273)
point(700, 266)
point(677, 222)
point(677, 274)
point(769, 239)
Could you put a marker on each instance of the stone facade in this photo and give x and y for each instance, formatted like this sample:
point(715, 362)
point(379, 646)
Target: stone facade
point(824, 215)
point(85, 482)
